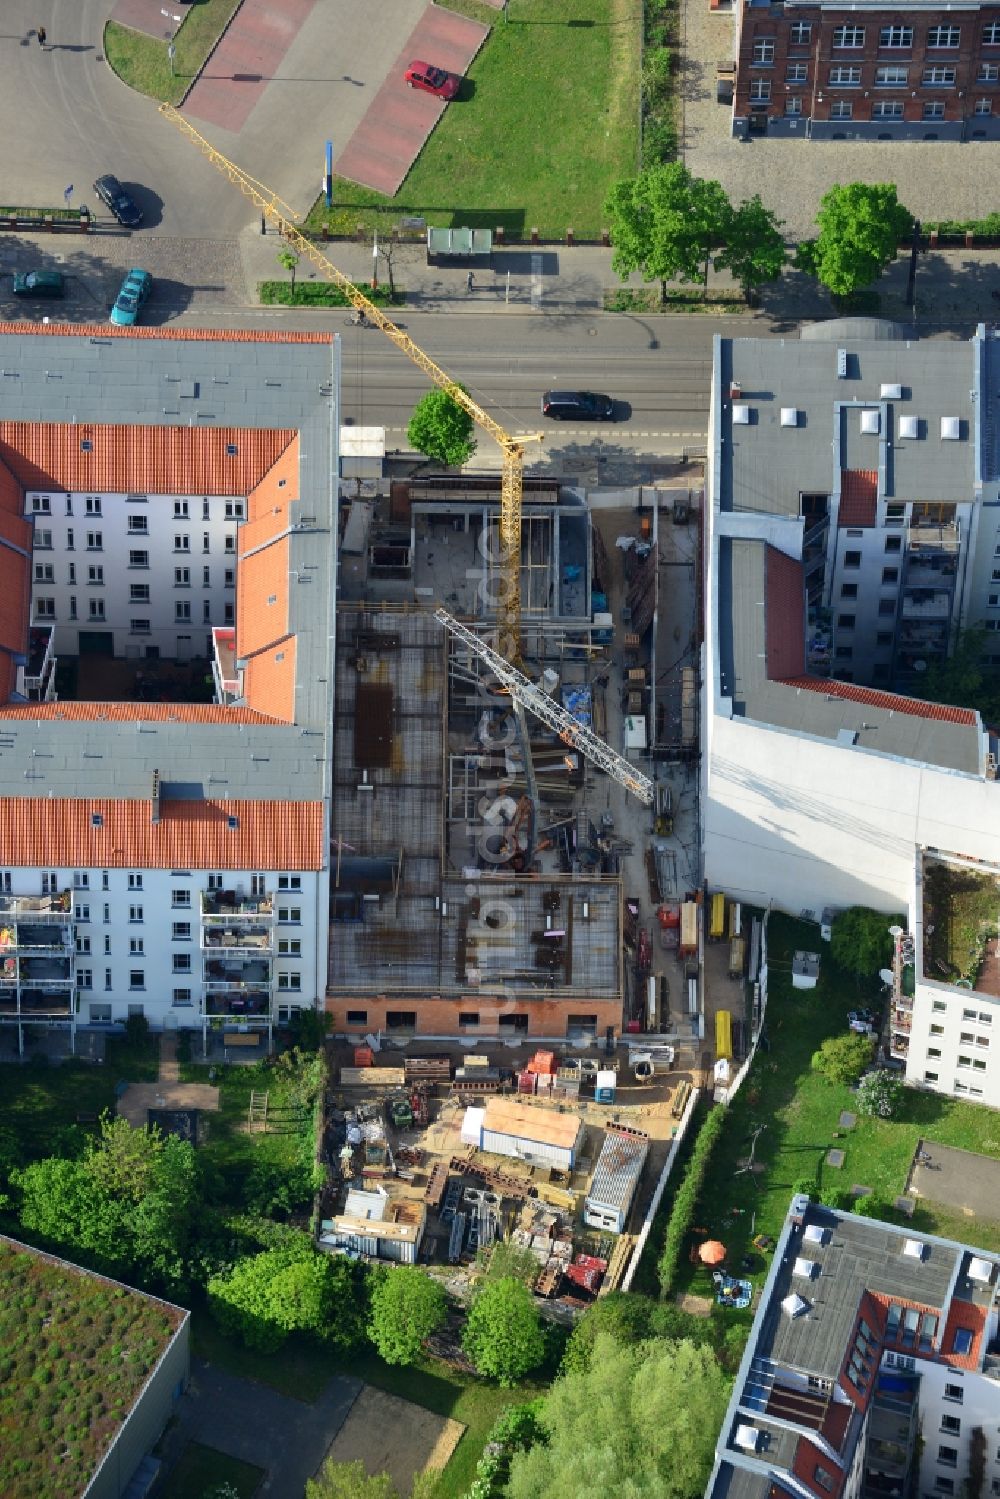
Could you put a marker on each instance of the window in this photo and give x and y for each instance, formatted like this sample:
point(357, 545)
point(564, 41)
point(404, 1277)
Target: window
point(890, 77)
point(943, 36)
point(206, 577)
point(83, 946)
point(948, 1456)
point(979, 1064)
point(290, 947)
point(180, 931)
point(206, 509)
point(82, 913)
point(896, 36)
point(135, 881)
point(182, 996)
point(357, 1017)
point(81, 879)
point(45, 608)
point(845, 621)
point(289, 882)
point(180, 510)
point(230, 544)
point(911, 1321)
point(258, 885)
point(852, 559)
point(890, 575)
point(204, 541)
point(137, 946)
point(964, 1061)
point(944, 1485)
point(107, 946)
point(886, 606)
point(229, 577)
point(138, 525)
point(69, 539)
point(985, 1018)
point(135, 913)
point(983, 107)
point(961, 1342)
point(848, 590)
point(763, 56)
point(43, 541)
point(797, 72)
point(44, 572)
point(206, 612)
point(40, 504)
point(138, 626)
point(951, 1424)
point(215, 882)
point(228, 614)
point(96, 608)
point(844, 76)
point(289, 915)
point(289, 981)
point(100, 1014)
point(138, 593)
point(849, 36)
point(886, 110)
point(760, 92)
point(234, 508)
point(933, 1053)
point(938, 77)
point(182, 542)
point(793, 106)
point(939, 1007)
point(137, 978)
point(182, 577)
point(823, 1478)
point(181, 962)
point(800, 31)
point(841, 110)
point(893, 543)
point(180, 898)
point(991, 34)
point(966, 1037)
point(930, 1077)
point(182, 611)
point(84, 978)
point(937, 1030)
point(989, 72)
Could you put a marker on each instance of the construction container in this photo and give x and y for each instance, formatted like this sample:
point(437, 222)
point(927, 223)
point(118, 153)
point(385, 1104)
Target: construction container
point(737, 957)
point(605, 1085)
point(616, 1177)
point(717, 918)
point(528, 1133)
point(689, 929)
point(364, 1056)
point(723, 1035)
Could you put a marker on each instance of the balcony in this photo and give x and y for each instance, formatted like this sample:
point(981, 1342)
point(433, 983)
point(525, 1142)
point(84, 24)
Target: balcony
point(928, 541)
point(926, 604)
point(37, 936)
point(899, 1046)
point(238, 939)
point(37, 1004)
point(253, 1002)
point(223, 973)
point(39, 910)
point(922, 574)
point(901, 1024)
point(226, 906)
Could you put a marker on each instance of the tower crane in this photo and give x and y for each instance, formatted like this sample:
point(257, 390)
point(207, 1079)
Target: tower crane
point(278, 213)
point(526, 694)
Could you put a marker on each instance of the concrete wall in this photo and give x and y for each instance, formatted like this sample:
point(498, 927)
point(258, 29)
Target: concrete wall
point(979, 1405)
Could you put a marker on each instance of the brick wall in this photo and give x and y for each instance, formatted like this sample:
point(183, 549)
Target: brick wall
point(441, 1017)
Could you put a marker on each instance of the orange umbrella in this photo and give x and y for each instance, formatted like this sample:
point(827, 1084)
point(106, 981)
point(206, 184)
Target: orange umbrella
point(712, 1252)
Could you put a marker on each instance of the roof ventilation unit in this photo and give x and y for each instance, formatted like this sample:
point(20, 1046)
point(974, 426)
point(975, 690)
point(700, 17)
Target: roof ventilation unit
point(804, 1269)
point(870, 421)
point(981, 1270)
point(789, 416)
point(841, 364)
point(814, 1234)
point(794, 1305)
point(909, 426)
point(748, 1438)
point(741, 416)
point(891, 392)
point(914, 1248)
point(951, 429)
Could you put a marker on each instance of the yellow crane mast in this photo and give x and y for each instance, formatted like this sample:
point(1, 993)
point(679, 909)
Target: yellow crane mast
point(278, 213)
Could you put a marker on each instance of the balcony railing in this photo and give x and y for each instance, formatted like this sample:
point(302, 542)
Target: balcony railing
point(899, 1046)
point(218, 938)
point(229, 905)
point(35, 936)
point(250, 975)
point(252, 1003)
point(37, 909)
point(935, 606)
point(902, 1023)
point(928, 540)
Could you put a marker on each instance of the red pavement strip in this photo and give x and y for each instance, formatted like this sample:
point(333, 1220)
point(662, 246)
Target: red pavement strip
point(245, 62)
point(147, 16)
point(399, 119)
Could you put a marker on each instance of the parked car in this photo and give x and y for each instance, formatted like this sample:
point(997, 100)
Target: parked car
point(39, 284)
point(578, 405)
point(114, 196)
point(134, 291)
point(432, 80)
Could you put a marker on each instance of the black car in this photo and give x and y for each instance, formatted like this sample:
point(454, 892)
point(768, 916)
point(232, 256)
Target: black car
point(578, 405)
point(124, 208)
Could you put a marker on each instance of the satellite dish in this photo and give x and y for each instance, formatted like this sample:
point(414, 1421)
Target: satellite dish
point(886, 975)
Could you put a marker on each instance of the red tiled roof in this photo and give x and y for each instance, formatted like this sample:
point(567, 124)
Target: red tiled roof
point(278, 487)
point(177, 335)
point(858, 497)
point(139, 460)
point(262, 599)
point(269, 680)
point(11, 493)
point(131, 712)
point(189, 835)
point(963, 1314)
point(785, 605)
point(871, 698)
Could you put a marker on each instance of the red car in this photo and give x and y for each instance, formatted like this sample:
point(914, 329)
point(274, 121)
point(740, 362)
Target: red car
point(432, 80)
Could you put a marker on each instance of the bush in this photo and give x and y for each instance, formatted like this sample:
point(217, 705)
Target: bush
point(842, 1059)
point(880, 1094)
point(685, 1203)
point(805, 1186)
point(659, 141)
point(137, 1030)
point(320, 294)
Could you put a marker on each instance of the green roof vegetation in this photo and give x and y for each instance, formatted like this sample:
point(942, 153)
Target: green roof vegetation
point(961, 914)
point(75, 1352)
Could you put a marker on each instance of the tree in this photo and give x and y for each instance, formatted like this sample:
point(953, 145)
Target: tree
point(266, 1296)
point(860, 941)
point(842, 1059)
point(288, 260)
point(505, 1260)
point(625, 1318)
point(666, 223)
point(407, 1307)
point(880, 1094)
point(640, 1421)
point(965, 679)
point(860, 227)
point(441, 428)
point(503, 1335)
point(350, 1481)
point(754, 251)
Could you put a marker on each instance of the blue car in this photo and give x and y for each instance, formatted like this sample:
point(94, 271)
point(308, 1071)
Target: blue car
point(134, 291)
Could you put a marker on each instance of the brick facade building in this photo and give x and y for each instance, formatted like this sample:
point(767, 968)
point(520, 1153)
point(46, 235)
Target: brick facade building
point(868, 72)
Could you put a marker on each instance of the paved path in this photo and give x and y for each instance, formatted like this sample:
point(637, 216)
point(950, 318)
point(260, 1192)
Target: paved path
point(169, 1069)
point(399, 119)
point(963, 1180)
point(936, 180)
point(247, 58)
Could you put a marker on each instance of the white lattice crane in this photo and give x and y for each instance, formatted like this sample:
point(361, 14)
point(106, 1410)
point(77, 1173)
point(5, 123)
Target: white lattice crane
point(530, 696)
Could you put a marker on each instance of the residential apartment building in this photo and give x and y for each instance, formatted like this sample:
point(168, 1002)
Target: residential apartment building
point(165, 858)
point(872, 1368)
point(867, 72)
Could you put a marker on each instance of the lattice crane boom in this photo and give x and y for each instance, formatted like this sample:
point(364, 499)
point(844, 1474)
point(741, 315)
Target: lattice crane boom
point(278, 213)
point(525, 692)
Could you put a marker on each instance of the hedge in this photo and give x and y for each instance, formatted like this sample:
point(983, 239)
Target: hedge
point(685, 1202)
point(320, 294)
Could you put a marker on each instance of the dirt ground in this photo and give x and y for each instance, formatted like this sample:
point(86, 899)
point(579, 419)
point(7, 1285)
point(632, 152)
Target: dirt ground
point(392, 1436)
point(139, 1097)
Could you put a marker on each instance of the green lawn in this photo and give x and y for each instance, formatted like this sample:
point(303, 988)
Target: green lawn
point(40, 1101)
point(546, 121)
point(800, 1110)
point(229, 1149)
point(201, 1467)
point(141, 61)
point(302, 1369)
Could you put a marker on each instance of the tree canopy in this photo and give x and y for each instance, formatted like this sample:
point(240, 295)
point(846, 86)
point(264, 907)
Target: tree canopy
point(264, 1297)
point(441, 428)
point(640, 1422)
point(965, 679)
point(665, 223)
point(754, 248)
point(350, 1481)
point(842, 1059)
point(407, 1306)
point(860, 941)
point(860, 227)
point(503, 1335)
